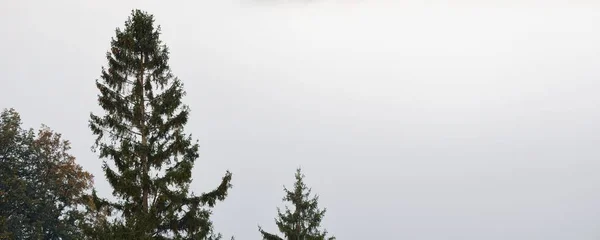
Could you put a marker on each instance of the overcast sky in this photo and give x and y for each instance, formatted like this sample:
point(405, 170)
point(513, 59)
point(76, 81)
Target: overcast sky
point(411, 120)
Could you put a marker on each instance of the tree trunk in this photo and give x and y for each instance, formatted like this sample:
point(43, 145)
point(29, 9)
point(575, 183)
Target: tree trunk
point(143, 157)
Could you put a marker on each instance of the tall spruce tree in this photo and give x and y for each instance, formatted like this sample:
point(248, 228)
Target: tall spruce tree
point(142, 133)
point(304, 221)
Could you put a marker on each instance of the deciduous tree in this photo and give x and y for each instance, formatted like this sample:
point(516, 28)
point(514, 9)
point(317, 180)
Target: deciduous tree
point(43, 191)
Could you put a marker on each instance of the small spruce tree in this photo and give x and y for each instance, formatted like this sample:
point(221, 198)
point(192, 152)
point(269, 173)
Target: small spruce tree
point(142, 134)
point(304, 221)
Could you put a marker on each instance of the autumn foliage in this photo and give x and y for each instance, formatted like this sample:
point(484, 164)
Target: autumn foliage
point(43, 190)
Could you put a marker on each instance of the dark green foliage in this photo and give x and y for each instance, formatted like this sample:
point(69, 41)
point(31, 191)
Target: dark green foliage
point(42, 189)
point(304, 221)
point(141, 133)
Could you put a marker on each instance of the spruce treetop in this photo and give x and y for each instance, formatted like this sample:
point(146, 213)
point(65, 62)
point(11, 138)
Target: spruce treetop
point(147, 158)
point(303, 222)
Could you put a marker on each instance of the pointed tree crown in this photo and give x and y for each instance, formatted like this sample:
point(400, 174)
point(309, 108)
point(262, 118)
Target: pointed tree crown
point(303, 220)
point(148, 159)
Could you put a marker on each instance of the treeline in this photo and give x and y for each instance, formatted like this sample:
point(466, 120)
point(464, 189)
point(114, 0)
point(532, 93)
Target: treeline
point(146, 157)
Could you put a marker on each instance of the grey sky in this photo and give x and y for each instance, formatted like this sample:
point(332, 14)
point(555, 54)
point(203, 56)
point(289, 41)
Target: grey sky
point(411, 121)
